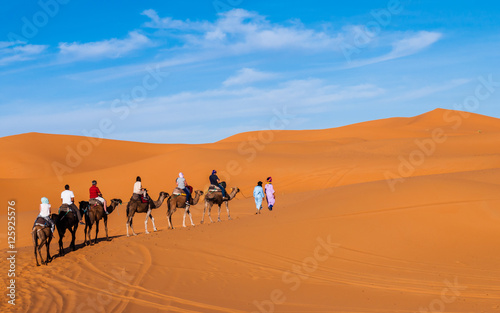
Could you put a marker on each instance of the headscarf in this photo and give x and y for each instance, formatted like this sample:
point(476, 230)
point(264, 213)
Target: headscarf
point(214, 172)
point(269, 179)
point(259, 183)
point(181, 175)
point(45, 200)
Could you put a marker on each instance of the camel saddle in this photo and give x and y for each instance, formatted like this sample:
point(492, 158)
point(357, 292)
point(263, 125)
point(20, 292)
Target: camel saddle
point(137, 197)
point(214, 188)
point(40, 221)
point(64, 208)
point(95, 202)
point(179, 192)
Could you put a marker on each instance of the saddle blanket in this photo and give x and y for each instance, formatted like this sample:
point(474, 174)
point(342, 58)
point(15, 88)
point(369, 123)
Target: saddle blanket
point(95, 202)
point(64, 208)
point(137, 197)
point(214, 188)
point(40, 221)
point(178, 192)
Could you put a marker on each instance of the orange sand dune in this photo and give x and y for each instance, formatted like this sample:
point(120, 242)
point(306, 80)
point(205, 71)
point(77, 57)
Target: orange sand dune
point(394, 215)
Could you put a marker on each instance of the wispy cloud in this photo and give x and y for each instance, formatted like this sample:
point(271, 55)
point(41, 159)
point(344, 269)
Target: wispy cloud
point(411, 44)
point(11, 52)
point(170, 23)
point(242, 31)
point(246, 76)
point(105, 49)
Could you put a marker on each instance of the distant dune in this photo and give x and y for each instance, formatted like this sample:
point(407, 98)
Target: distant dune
point(394, 215)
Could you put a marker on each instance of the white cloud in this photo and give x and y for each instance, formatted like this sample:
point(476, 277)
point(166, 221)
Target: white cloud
point(247, 76)
point(11, 52)
point(242, 31)
point(112, 48)
point(169, 23)
point(409, 45)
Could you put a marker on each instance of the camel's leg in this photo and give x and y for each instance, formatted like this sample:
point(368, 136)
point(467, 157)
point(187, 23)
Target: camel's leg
point(129, 224)
point(106, 227)
point(87, 231)
point(73, 237)
point(40, 252)
point(169, 220)
point(132, 225)
point(184, 218)
point(49, 258)
point(204, 209)
point(227, 208)
point(146, 221)
point(42, 242)
point(153, 221)
point(96, 231)
point(190, 217)
point(209, 211)
point(35, 244)
point(218, 217)
point(61, 247)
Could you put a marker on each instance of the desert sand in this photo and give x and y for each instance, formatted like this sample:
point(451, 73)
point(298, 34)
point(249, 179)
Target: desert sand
point(394, 215)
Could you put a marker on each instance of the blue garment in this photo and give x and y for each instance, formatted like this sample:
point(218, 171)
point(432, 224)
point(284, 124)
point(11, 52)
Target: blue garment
point(188, 194)
point(258, 194)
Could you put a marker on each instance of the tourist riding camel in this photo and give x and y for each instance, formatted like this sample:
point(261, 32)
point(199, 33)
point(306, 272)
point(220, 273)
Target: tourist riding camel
point(138, 190)
point(43, 231)
point(45, 214)
point(215, 181)
point(182, 184)
point(68, 198)
point(95, 193)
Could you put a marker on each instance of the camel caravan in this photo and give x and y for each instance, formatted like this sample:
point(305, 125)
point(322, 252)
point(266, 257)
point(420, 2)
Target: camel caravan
point(89, 213)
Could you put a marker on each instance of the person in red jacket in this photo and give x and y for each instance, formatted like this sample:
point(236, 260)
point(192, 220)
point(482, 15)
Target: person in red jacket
point(95, 193)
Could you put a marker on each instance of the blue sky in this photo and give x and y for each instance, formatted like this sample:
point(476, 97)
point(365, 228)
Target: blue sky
point(200, 71)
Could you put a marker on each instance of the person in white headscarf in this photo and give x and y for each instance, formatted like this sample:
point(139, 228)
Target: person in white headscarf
point(45, 213)
point(182, 184)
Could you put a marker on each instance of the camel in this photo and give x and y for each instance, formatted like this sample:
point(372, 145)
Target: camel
point(66, 220)
point(136, 206)
point(215, 197)
point(94, 214)
point(44, 234)
point(179, 201)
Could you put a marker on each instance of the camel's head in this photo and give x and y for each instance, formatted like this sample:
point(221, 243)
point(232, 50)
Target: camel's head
point(83, 205)
point(164, 194)
point(114, 204)
point(199, 192)
point(116, 201)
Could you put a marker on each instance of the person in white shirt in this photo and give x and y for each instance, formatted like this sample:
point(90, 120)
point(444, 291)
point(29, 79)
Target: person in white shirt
point(138, 190)
point(45, 213)
point(68, 197)
point(182, 184)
